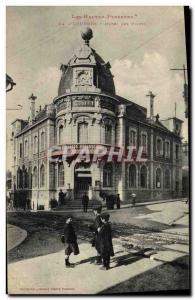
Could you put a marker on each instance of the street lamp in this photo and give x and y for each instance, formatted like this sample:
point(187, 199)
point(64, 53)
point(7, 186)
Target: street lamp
point(9, 83)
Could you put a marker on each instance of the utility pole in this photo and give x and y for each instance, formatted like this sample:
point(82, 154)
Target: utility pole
point(185, 91)
point(151, 96)
point(175, 109)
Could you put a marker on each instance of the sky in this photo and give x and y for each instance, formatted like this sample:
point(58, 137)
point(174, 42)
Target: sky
point(141, 48)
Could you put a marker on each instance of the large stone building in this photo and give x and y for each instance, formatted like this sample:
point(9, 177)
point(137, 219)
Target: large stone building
point(85, 113)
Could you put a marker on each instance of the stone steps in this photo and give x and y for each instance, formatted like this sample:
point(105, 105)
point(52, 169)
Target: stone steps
point(77, 204)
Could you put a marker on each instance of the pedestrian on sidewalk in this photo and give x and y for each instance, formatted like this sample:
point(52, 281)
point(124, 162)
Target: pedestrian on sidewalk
point(118, 201)
point(105, 241)
point(95, 228)
point(70, 241)
point(133, 195)
point(60, 197)
point(85, 201)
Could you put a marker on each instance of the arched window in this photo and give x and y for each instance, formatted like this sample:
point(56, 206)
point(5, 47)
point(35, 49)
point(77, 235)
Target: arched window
point(35, 177)
point(60, 134)
point(83, 133)
point(35, 144)
point(143, 177)
point(108, 134)
point(158, 178)
point(42, 141)
point(108, 175)
point(25, 177)
point(61, 174)
point(42, 176)
point(132, 176)
point(167, 179)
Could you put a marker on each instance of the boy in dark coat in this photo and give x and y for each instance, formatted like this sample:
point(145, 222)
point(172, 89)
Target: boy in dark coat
point(105, 241)
point(95, 228)
point(70, 241)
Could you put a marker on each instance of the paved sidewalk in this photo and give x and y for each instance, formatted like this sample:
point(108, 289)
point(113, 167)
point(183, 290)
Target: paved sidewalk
point(49, 276)
point(104, 206)
point(154, 202)
point(15, 236)
point(175, 214)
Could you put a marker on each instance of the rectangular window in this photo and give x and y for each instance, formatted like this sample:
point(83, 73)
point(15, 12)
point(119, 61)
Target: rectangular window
point(132, 138)
point(177, 151)
point(14, 146)
point(108, 134)
point(42, 141)
point(60, 134)
point(26, 148)
point(20, 150)
point(159, 147)
point(83, 133)
point(167, 149)
point(107, 180)
point(144, 141)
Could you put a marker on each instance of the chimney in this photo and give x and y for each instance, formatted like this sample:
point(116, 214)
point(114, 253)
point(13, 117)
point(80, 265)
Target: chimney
point(151, 96)
point(32, 99)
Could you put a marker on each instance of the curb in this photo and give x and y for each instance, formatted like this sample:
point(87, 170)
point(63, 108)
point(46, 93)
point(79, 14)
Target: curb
point(153, 202)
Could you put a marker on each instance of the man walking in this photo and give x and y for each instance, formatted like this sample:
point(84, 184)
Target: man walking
point(60, 197)
point(95, 228)
point(70, 241)
point(85, 201)
point(118, 201)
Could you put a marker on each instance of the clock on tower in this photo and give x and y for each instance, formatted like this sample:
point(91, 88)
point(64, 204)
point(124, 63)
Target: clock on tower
point(83, 77)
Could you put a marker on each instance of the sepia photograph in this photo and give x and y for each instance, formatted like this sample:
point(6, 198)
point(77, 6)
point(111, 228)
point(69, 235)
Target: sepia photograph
point(97, 150)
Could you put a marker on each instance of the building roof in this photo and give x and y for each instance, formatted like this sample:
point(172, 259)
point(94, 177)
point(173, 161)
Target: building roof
point(87, 56)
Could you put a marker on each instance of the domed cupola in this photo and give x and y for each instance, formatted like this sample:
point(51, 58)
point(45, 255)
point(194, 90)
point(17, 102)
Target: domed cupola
point(86, 71)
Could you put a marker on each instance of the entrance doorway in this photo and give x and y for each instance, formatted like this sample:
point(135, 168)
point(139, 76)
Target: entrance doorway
point(83, 181)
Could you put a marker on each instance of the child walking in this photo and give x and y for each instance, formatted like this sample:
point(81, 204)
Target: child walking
point(70, 241)
point(105, 241)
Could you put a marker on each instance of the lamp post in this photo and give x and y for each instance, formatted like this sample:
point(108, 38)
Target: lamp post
point(9, 83)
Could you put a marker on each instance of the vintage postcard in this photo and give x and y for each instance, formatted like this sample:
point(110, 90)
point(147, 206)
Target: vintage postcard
point(97, 181)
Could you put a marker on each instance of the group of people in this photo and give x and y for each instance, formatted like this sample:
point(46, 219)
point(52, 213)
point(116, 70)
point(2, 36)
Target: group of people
point(102, 239)
point(111, 201)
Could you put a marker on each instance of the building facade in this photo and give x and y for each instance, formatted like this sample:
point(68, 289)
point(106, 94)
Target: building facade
point(86, 113)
